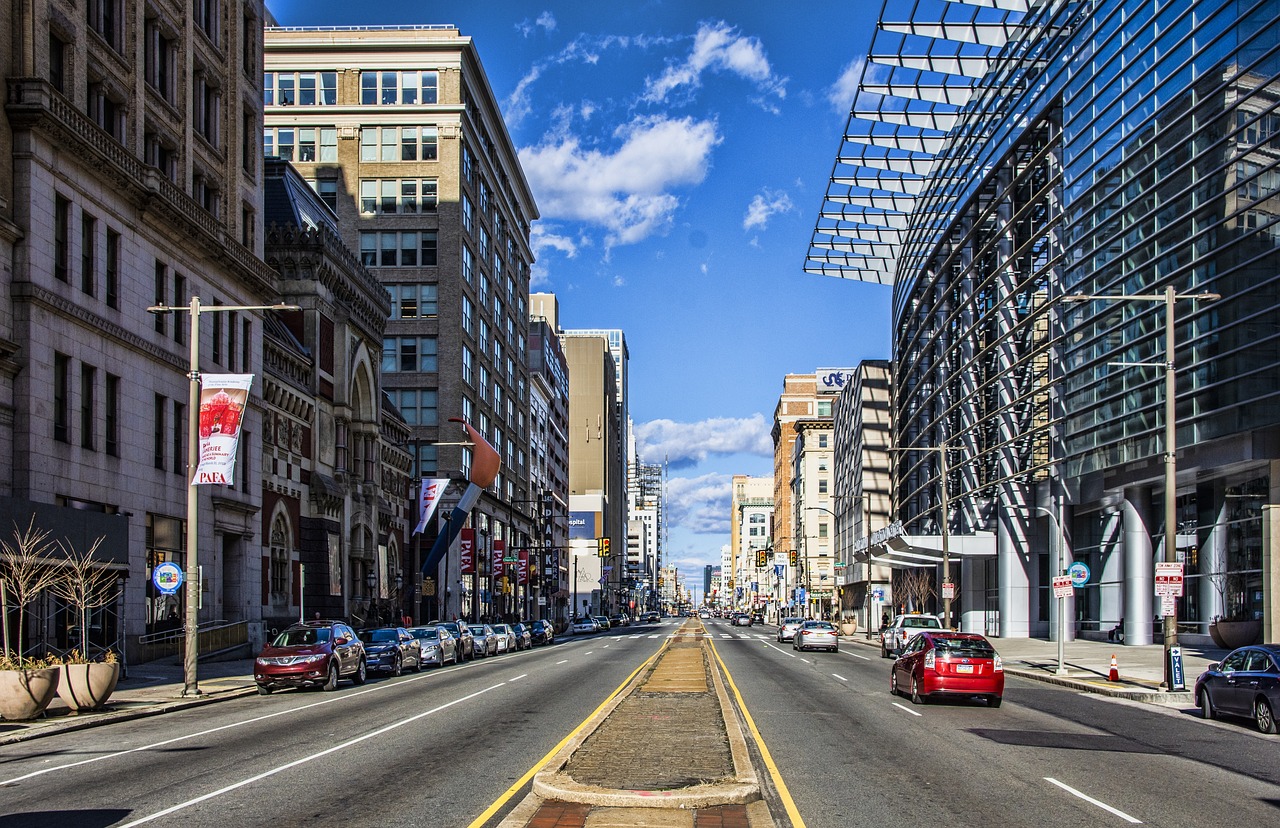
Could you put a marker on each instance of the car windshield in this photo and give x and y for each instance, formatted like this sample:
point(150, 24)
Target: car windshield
point(425, 632)
point(793, 620)
point(818, 625)
point(301, 637)
point(922, 622)
point(501, 628)
point(477, 630)
point(964, 647)
point(380, 635)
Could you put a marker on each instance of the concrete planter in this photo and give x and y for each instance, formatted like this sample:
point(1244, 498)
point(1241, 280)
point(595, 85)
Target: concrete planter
point(848, 627)
point(1232, 634)
point(88, 686)
point(24, 694)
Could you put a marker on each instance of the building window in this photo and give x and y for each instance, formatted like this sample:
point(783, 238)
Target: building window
point(378, 88)
point(468, 265)
point(161, 408)
point(414, 301)
point(468, 316)
point(397, 196)
point(161, 50)
point(468, 367)
point(328, 144)
point(179, 291)
point(206, 194)
point(161, 285)
point(246, 343)
point(178, 436)
point(106, 111)
point(389, 248)
point(106, 18)
point(822, 486)
point(58, 63)
point(61, 239)
point(159, 153)
point(824, 408)
point(327, 189)
point(217, 334)
point(111, 420)
point(88, 254)
point(409, 354)
point(399, 143)
point(207, 99)
point(418, 406)
point(468, 214)
point(231, 341)
point(61, 398)
point(822, 441)
point(248, 159)
point(111, 271)
point(208, 19)
point(280, 562)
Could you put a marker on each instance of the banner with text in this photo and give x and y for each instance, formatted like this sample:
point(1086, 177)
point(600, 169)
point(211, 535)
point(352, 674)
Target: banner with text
point(522, 568)
point(429, 497)
point(467, 551)
point(499, 551)
point(223, 398)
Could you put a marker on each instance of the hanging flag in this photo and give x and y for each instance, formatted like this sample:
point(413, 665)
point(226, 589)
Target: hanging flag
point(432, 491)
point(467, 551)
point(485, 464)
point(522, 568)
point(223, 398)
point(499, 550)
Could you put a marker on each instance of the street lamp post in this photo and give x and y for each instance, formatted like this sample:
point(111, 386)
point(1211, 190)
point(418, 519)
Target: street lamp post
point(1168, 297)
point(191, 638)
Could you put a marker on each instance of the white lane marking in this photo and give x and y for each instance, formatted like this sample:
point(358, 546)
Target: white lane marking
point(589, 652)
point(740, 635)
point(725, 635)
point(908, 709)
point(837, 675)
point(855, 655)
point(265, 774)
point(1104, 806)
point(517, 678)
point(605, 647)
point(558, 663)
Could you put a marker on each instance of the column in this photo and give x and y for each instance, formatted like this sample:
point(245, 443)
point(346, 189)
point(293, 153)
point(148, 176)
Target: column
point(1139, 567)
point(1213, 555)
point(1011, 564)
point(973, 596)
point(1111, 579)
point(1270, 571)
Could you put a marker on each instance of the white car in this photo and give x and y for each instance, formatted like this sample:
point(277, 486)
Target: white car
point(584, 625)
point(895, 637)
point(506, 638)
point(787, 629)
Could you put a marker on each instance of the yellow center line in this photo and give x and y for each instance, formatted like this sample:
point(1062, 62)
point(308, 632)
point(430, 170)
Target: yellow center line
point(522, 781)
point(790, 804)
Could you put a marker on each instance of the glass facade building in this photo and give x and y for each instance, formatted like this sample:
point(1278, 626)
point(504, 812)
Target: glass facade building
point(1003, 154)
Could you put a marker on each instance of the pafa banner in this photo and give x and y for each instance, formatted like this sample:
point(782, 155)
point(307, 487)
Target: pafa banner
point(432, 491)
point(223, 398)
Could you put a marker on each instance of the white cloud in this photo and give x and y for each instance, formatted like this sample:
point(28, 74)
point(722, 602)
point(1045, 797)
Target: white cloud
point(717, 47)
point(841, 93)
point(624, 190)
point(764, 206)
point(545, 21)
point(700, 504)
point(687, 443)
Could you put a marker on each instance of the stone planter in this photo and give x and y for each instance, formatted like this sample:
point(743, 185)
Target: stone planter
point(1232, 634)
point(848, 627)
point(88, 686)
point(24, 694)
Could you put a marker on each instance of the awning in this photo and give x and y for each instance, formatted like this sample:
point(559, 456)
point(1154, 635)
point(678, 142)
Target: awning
point(893, 547)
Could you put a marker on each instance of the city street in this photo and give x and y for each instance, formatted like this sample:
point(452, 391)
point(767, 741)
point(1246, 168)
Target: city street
point(440, 747)
point(853, 755)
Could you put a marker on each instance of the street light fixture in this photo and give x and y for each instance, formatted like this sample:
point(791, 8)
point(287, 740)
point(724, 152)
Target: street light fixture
point(191, 638)
point(1168, 297)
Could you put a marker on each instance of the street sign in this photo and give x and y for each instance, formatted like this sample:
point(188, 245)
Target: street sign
point(1168, 605)
point(1063, 586)
point(948, 590)
point(1169, 579)
point(1079, 572)
point(168, 578)
point(1177, 677)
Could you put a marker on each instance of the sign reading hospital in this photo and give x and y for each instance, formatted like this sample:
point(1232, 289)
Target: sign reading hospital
point(582, 525)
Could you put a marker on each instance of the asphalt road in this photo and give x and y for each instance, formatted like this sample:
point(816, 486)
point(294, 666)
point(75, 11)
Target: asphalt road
point(430, 749)
point(851, 754)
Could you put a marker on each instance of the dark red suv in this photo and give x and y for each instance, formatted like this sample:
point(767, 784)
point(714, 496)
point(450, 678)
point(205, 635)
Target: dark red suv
point(312, 654)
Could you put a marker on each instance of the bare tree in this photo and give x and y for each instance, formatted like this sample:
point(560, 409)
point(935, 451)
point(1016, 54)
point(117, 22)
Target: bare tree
point(916, 585)
point(26, 571)
point(86, 585)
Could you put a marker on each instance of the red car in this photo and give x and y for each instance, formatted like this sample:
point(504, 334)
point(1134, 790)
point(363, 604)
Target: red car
point(937, 663)
point(311, 654)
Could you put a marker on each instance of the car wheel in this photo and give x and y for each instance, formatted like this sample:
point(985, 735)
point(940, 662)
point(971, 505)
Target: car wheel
point(994, 701)
point(916, 698)
point(397, 666)
point(264, 690)
point(457, 657)
point(362, 673)
point(883, 652)
point(1206, 706)
point(417, 665)
point(1264, 716)
point(331, 683)
point(893, 684)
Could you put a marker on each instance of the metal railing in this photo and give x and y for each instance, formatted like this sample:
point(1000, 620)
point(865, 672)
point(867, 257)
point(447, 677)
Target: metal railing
point(211, 637)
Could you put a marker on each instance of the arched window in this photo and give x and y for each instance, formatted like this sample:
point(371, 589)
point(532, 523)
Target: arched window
point(281, 557)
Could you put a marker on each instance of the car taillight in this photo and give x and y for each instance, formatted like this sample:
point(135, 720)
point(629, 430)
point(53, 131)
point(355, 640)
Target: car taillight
point(930, 658)
point(997, 664)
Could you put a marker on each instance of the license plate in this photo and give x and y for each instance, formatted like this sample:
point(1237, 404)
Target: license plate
point(964, 668)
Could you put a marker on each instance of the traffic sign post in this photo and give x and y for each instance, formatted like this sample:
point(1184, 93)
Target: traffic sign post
point(1063, 587)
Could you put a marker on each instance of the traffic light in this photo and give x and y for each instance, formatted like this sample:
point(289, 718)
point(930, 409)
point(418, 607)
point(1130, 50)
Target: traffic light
point(794, 558)
point(762, 559)
point(602, 547)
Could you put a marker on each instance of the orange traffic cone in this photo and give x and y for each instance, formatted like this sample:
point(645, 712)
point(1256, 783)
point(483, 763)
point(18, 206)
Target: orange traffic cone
point(1114, 674)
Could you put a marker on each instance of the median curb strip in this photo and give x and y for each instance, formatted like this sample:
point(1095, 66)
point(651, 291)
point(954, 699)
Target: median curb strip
point(553, 783)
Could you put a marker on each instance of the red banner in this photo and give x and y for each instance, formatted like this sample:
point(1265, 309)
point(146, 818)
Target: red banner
point(499, 550)
point(467, 545)
point(522, 568)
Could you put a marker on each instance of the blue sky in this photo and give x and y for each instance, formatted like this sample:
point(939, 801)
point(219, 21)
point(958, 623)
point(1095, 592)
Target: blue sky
point(679, 151)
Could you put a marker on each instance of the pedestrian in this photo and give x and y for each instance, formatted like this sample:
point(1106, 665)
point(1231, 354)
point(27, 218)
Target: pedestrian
point(884, 619)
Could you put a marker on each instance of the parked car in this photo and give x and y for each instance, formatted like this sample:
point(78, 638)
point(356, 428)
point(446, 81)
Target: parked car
point(619, 620)
point(894, 638)
point(1245, 683)
point(705, 615)
point(812, 635)
point(543, 632)
point(438, 645)
point(603, 621)
point(486, 642)
point(584, 624)
point(650, 617)
point(937, 663)
point(787, 629)
point(313, 654)
point(524, 635)
point(466, 641)
point(392, 649)
point(506, 638)
point(757, 618)
point(741, 619)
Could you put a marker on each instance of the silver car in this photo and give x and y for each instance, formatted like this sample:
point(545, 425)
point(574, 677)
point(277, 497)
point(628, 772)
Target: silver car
point(816, 634)
point(787, 629)
point(486, 642)
point(439, 647)
point(506, 638)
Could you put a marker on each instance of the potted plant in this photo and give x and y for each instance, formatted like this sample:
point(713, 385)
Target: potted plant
point(27, 685)
point(1237, 627)
point(85, 585)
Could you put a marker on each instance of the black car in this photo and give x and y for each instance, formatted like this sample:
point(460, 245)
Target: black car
point(524, 636)
point(393, 649)
point(543, 632)
point(1245, 683)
